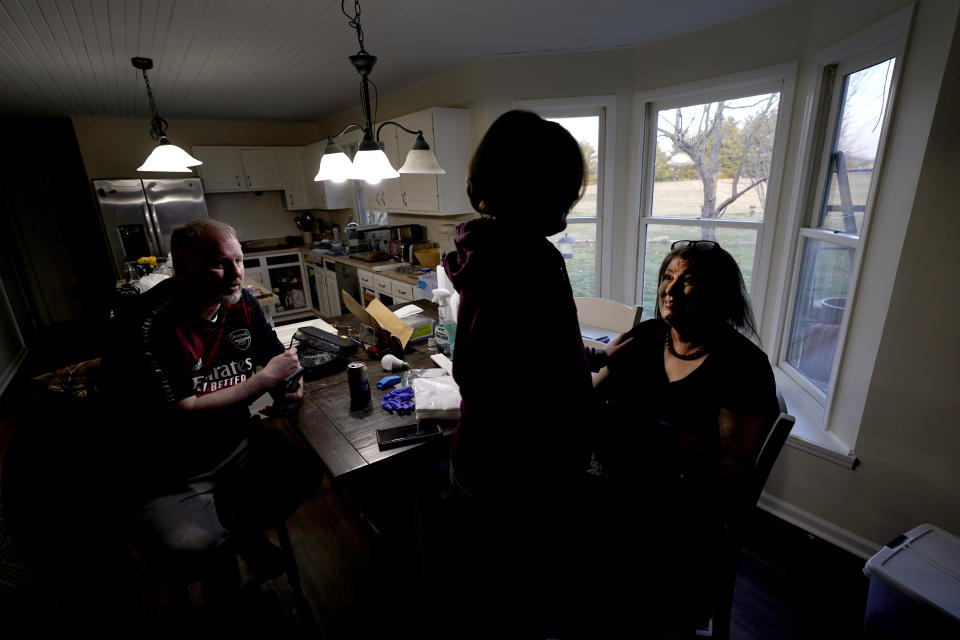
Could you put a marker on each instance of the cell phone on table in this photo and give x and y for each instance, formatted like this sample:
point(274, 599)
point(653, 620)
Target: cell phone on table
point(388, 437)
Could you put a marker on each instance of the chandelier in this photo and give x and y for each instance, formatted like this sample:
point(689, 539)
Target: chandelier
point(371, 163)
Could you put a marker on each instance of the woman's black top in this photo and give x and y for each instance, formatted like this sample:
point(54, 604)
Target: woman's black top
point(644, 413)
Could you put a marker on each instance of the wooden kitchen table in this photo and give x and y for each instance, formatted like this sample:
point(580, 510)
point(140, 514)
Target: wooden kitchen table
point(346, 441)
point(397, 490)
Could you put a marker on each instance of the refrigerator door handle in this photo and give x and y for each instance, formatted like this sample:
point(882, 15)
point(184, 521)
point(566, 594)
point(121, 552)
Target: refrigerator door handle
point(150, 216)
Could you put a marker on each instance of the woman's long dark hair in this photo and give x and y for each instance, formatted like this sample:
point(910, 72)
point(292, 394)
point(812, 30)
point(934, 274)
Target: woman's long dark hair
point(720, 284)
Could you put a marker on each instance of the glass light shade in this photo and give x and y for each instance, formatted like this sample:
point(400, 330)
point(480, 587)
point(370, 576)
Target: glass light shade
point(335, 167)
point(421, 161)
point(372, 166)
point(169, 158)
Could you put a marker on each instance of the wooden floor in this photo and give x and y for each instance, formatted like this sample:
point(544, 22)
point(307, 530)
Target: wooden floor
point(790, 586)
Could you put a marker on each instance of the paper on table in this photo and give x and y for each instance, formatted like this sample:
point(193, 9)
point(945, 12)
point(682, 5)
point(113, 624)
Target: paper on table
point(408, 310)
point(285, 333)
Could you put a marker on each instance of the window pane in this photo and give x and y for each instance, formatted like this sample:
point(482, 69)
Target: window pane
point(578, 245)
point(863, 106)
point(586, 130)
point(713, 159)
point(741, 244)
point(818, 309)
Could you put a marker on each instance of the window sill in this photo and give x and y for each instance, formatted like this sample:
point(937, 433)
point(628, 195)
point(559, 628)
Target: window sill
point(808, 433)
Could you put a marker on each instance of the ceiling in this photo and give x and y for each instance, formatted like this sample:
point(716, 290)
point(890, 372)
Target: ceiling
point(287, 59)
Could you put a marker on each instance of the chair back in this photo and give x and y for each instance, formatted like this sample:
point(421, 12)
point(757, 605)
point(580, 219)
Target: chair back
point(771, 447)
point(601, 313)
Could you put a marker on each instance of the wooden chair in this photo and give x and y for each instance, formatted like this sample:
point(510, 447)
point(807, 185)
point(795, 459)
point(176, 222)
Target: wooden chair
point(735, 526)
point(600, 313)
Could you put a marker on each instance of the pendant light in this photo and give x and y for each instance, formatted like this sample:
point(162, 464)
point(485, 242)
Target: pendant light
point(165, 156)
point(371, 163)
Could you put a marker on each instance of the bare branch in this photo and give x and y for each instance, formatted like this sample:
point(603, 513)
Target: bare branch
point(726, 203)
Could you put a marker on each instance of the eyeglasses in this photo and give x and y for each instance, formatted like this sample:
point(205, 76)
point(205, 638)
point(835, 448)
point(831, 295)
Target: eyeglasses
point(703, 245)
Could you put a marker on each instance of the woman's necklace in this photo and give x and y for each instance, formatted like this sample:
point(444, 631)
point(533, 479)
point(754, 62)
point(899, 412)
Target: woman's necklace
point(693, 355)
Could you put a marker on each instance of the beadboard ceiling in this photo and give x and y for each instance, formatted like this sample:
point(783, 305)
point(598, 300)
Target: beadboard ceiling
point(287, 59)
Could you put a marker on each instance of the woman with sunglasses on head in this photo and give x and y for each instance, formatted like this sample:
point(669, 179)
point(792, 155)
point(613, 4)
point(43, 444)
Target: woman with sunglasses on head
point(687, 399)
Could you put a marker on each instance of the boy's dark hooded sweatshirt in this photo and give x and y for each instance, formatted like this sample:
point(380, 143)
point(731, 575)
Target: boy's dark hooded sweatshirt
point(519, 361)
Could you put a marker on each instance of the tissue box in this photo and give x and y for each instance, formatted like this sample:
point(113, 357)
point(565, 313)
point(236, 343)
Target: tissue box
point(422, 327)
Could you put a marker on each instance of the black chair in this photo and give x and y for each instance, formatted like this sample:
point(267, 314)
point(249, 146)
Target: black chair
point(162, 600)
point(738, 520)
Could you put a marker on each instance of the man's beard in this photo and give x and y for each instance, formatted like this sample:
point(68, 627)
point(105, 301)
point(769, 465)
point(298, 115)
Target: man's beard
point(232, 298)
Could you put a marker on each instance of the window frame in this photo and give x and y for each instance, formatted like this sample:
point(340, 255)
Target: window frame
point(813, 431)
point(606, 108)
point(779, 77)
point(826, 137)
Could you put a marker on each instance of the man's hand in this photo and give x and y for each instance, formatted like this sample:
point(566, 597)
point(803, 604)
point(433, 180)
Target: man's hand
point(285, 400)
point(281, 366)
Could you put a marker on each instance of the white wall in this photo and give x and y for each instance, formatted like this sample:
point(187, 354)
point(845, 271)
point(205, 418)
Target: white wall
point(908, 471)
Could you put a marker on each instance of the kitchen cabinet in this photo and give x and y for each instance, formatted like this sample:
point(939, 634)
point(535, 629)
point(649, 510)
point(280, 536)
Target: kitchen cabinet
point(367, 290)
point(324, 194)
point(283, 273)
point(318, 293)
point(290, 165)
point(260, 168)
point(332, 287)
point(390, 291)
point(221, 168)
point(447, 131)
point(231, 169)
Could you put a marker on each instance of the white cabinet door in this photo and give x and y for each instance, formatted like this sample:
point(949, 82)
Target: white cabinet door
point(333, 292)
point(419, 192)
point(221, 169)
point(392, 193)
point(260, 168)
point(290, 164)
point(373, 195)
point(319, 291)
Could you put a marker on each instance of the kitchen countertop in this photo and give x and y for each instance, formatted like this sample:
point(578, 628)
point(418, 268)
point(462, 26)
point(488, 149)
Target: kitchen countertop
point(261, 247)
point(406, 278)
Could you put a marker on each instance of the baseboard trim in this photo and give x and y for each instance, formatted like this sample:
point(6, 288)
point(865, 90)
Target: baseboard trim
point(819, 527)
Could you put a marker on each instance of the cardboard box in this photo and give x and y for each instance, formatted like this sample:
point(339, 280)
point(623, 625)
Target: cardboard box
point(386, 325)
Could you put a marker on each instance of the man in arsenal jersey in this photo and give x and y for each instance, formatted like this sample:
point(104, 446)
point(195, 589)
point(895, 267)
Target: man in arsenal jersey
point(187, 361)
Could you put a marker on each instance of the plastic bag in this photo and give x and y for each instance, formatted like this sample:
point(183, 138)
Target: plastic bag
point(437, 398)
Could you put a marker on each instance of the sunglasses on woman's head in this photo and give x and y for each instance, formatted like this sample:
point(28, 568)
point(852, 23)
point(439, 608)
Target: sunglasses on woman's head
point(703, 245)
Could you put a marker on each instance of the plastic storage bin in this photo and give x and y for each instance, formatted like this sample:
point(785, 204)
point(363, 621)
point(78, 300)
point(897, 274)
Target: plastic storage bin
point(915, 586)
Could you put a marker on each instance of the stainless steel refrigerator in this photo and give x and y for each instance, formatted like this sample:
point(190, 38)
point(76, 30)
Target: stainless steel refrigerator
point(139, 214)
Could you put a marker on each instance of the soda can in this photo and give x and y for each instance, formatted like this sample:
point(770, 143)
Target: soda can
point(359, 385)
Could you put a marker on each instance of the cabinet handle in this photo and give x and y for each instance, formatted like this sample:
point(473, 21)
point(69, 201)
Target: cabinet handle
point(404, 197)
point(249, 182)
point(238, 179)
